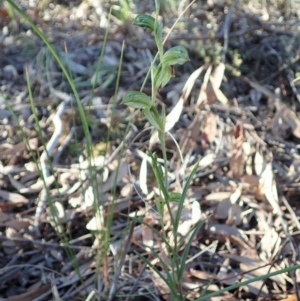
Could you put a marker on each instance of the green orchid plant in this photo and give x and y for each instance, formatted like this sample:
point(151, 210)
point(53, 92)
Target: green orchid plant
point(160, 75)
point(161, 71)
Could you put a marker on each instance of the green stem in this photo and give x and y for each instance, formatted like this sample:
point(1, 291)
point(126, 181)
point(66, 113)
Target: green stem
point(244, 283)
point(164, 151)
point(174, 255)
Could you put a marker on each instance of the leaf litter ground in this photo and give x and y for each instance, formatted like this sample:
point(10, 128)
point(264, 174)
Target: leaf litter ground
point(234, 108)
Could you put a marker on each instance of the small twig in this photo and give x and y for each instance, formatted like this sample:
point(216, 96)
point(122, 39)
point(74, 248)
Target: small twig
point(133, 289)
point(291, 211)
point(113, 287)
point(64, 145)
point(57, 121)
point(226, 27)
point(191, 37)
point(43, 243)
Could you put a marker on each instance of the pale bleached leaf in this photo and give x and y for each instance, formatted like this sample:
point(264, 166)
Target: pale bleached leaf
point(218, 196)
point(269, 187)
point(174, 115)
point(97, 222)
point(203, 97)
point(270, 244)
point(115, 177)
point(186, 91)
point(259, 163)
point(213, 91)
point(218, 75)
point(207, 160)
point(257, 287)
point(88, 199)
point(236, 195)
point(196, 212)
point(38, 186)
point(216, 93)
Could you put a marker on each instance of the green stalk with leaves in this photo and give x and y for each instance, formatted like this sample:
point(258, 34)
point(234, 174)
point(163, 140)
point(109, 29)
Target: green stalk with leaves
point(161, 73)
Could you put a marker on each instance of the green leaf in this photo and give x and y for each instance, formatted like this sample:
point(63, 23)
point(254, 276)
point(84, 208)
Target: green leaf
point(159, 176)
point(187, 248)
point(157, 6)
point(174, 196)
point(159, 39)
point(145, 21)
point(168, 279)
point(160, 206)
point(183, 196)
point(137, 100)
point(162, 75)
point(175, 55)
point(153, 117)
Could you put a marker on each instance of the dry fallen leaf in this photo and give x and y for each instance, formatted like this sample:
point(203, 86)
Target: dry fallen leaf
point(38, 185)
point(229, 210)
point(213, 91)
point(227, 275)
point(202, 98)
point(13, 198)
point(210, 127)
point(17, 149)
point(218, 196)
point(161, 286)
point(250, 180)
point(216, 93)
point(260, 88)
point(174, 115)
point(237, 160)
point(268, 186)
point(3, 218)
point(32, 293)
point(223, 209)
point(116, 176)
point(234, 215)
point(17, 224)
point(143, 176)
point(259, 163)
point(147, 233)
point(226, 231)
point(97, 222)
point(207, 160)
point(256, 266)
point(190, 135)
point(186, 91)
point(285, 122)
point(256, 287)
point(290, 298)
